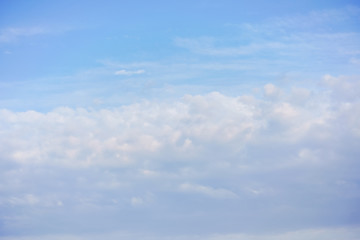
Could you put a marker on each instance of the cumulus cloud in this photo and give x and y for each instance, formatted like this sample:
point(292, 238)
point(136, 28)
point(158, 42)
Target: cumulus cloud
point(186, 129)
point(271, 91)
point(80, 137)
point(293, 158)
point(342, 87)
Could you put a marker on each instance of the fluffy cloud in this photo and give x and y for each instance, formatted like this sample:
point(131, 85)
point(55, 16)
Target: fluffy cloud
point(206, 161)
point(80, 137)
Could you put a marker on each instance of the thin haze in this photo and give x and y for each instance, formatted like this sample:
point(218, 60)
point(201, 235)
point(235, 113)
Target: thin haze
point(185, 120)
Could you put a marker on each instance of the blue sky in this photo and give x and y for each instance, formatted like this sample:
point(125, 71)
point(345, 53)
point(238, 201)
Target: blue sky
point(179, 120)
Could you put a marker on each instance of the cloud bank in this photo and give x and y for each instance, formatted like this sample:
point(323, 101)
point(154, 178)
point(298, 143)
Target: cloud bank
point(214, 163)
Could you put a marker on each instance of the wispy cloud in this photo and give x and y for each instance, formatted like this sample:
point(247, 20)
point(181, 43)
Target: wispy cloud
point(348, 233)
point(206, 190)
point(129, 72)
point(204, 46)
point(13, 34)
point(314, 21)
point(316, 37)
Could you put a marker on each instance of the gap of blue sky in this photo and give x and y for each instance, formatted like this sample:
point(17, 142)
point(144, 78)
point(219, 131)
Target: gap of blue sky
point(179, 120)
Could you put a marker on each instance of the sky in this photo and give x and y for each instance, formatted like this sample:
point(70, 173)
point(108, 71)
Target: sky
point(196, 120)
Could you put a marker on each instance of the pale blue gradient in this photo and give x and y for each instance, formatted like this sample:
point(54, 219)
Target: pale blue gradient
point(65, 53)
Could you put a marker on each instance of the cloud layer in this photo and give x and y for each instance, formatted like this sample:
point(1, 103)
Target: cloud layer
point(214, 163)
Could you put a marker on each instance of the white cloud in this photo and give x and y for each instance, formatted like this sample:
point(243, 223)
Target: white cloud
point(327, 39)
point(342, 87)
point(208, 46)
point(129, 73)
point(313, 20)
point(186, 128)
point(31, 200)
point(28, 199)
point(136, 201)
point(273, 157)
point(206, 190)
point(144, 200)
point(271, 91)
point(12, 34)
point(80, 137)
